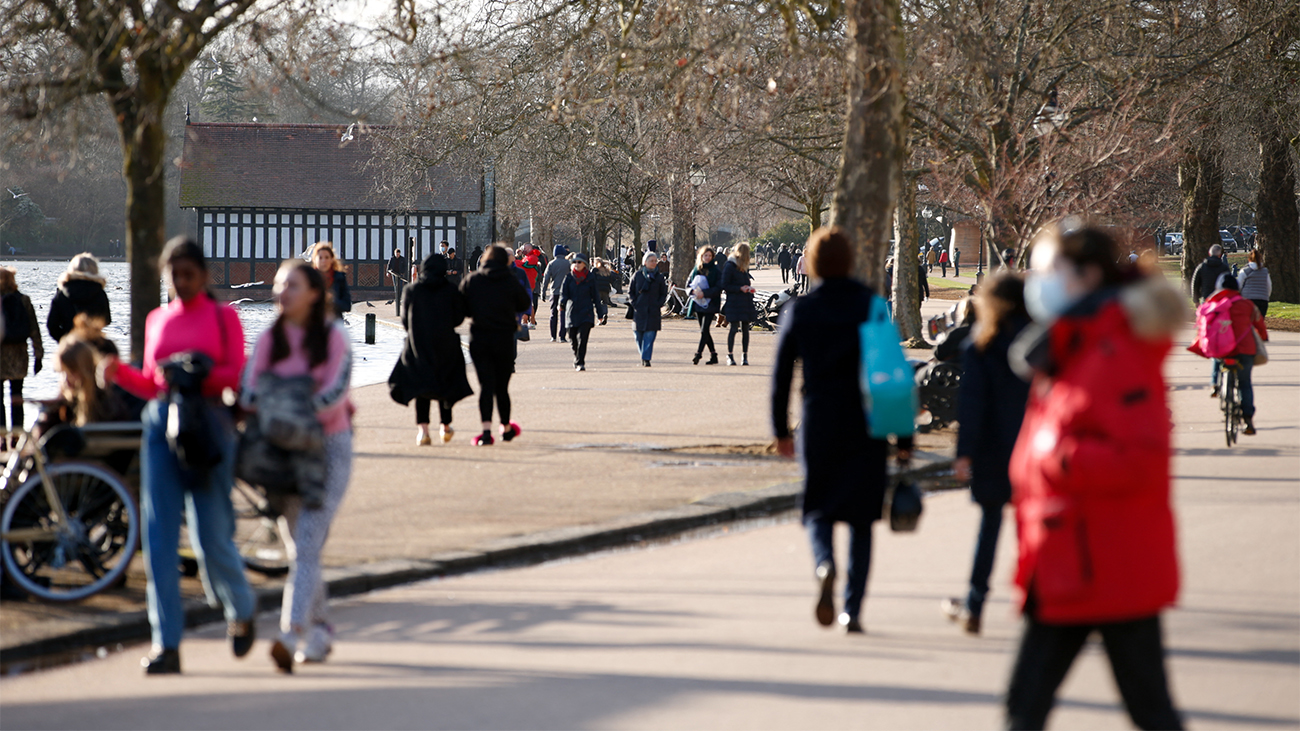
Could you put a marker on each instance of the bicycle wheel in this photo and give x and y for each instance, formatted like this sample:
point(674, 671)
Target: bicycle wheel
point(1231, 407)
point(65, 563)
point(257, 532)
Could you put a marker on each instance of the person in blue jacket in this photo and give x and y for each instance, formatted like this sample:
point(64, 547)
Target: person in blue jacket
point(990, 408)
point(582, 306)
point(845, 472)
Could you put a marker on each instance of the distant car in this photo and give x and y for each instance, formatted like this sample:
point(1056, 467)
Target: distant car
point(1226, 240)
point(1174, 243)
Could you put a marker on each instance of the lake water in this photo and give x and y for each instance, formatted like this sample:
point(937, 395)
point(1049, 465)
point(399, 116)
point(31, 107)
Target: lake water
point(38, 280)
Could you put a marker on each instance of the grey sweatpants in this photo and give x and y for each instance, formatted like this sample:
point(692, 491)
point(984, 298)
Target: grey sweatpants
point(306, 601)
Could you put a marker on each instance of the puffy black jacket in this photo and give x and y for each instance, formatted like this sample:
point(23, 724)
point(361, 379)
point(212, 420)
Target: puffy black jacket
point(72, 298)
point(1206, 275)
point(990, 408)
point(581, 300)
point(495, 299)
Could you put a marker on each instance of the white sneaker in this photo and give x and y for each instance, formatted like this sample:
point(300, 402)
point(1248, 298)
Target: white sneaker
point(318, 644)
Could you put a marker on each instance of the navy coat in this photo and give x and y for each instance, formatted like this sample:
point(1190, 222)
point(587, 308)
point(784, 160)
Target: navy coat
point(845, 472)
point(740, 305)
point(338, 286)
point(581, 300)
point(647, 293)
point(990, 408)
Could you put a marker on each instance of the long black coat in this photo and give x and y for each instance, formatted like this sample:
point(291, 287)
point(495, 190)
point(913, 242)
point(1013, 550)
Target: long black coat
point(713, 293)
point(990, 409)
point(432, 364)
point(581, 300)
point(338, 286)
point(845, 471)
point(647, 293)
point(739, 306)
point(72, 298)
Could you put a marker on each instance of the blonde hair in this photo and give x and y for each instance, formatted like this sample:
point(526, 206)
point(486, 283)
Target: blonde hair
point(78, 355)
point(742, 257)
point(82, 266)
point(322, 245)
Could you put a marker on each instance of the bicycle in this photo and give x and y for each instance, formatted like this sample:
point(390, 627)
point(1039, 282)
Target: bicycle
point(69, 530)
point(1230, 399)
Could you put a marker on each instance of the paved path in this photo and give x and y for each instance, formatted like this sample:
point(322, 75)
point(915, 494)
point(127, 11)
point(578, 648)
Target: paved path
point(717, 632)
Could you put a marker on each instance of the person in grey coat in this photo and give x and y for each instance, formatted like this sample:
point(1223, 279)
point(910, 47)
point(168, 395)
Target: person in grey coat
point(647, 293)
point(552, 281)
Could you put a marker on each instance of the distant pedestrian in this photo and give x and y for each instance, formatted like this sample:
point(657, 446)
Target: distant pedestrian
point(473, 262)
point(531, 263)
point(990, 408)
point(956, 262)
point(801, 272)
point(739, 308)
point(845, 472)
point(191, 327)
point(305, 341)
point(80, 290)
point(931, 258)
point(705, 285)
point(607, 279)
point(923, 281)
point(647, 293)
point(494, 299)
point(582, 306)
point(432, 365)
point(396, 272)
point(20, 325)
point(1090, 476)
point(1255, 283)
point(943, 262)
point(786, 261)
point(1236, 317)
point(334, 274)
point(455, 267)
point(552, 281)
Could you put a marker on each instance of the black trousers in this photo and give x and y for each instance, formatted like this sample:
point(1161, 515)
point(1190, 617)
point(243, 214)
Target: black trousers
point(494, 362)
point(578, 337)
point(1137, 659)
point(743, 327)
point(706, 337)
point(422, 411)
point(785, 275)
point(16, 412)
point(557, 318)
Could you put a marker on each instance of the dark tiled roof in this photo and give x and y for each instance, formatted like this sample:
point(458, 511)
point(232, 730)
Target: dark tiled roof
point(304, 166)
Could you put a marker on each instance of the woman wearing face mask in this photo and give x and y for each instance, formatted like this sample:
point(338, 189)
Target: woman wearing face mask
point(193, 322)
point(1090, 476)
point(335, 275)
point(304, 341)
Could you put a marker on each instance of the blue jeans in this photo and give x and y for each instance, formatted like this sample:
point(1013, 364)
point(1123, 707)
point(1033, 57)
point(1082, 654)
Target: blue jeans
point(820, 532)
point(986, 549)
point(166, 489)
point(645, 342)
point(1243, 382)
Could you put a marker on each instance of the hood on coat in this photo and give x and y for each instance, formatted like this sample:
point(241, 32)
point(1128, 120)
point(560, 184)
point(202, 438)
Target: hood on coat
point(67, 277)
point(434, 266)
point(1154, 308)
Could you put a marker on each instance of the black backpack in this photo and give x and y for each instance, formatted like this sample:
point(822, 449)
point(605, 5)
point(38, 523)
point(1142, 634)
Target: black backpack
point(18, 327)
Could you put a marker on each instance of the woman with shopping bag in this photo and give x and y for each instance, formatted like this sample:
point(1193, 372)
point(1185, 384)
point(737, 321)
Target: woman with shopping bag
point(844, 465)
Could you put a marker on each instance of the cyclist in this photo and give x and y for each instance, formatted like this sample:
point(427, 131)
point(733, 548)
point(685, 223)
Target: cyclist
point(1227, 303)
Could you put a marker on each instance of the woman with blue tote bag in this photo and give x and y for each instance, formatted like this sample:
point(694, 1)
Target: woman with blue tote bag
point(844, 465)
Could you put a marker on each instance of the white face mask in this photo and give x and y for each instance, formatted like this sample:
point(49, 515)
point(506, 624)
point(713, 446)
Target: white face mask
point(1047, 295)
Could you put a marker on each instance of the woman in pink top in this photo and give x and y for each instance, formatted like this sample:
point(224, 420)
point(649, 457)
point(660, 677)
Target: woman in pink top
point(192, 322)
point(304, 342)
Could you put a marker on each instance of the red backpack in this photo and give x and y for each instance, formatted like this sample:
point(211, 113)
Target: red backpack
point(1214, 328)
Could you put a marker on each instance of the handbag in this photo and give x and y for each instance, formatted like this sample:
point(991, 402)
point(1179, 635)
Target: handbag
point(1261, 350)
point(191, 433)
point(285, 415)
point(629, 315)
point(888, 386)
point(905, 507)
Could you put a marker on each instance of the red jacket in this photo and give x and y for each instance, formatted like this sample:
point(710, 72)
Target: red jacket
point(1090, 470)
point(1244, 314)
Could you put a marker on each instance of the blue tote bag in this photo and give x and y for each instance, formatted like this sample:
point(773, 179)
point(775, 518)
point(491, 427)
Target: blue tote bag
point(888, 388)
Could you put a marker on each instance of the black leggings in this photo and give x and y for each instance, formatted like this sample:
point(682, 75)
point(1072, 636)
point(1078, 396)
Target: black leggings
point(743, 327)
point(494, 362)
point(15, 403)
point(422, 411)
point(706, 337)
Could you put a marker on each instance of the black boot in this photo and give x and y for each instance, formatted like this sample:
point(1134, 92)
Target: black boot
point(162, 662)
point(713, 359)
point(696, 359)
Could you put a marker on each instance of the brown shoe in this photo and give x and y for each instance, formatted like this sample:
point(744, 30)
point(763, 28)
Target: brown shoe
point(282, 656)
point(825, 611)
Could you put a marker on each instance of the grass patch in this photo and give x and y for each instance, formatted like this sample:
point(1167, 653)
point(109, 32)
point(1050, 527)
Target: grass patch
point(1283, 311)
point(947, 283)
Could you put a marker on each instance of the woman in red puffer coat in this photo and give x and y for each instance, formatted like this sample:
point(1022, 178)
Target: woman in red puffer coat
point(1090, 475)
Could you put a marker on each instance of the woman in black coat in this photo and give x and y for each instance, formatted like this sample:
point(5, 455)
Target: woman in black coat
point(739, 308)
point(990, 408)
point(327, 263)
point(647, 293)
point(495, 299)
point(582, 305)
point(81, 290)
point(705, 266)
point(432, 365)
point(844, 468)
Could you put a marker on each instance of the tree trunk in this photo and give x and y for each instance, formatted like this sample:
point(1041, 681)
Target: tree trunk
point(907, 283)
point(1276, 216)
point(867, 185)
point(1200, 177)
point(144, 142)
point(683, 245)
point(602, 238)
